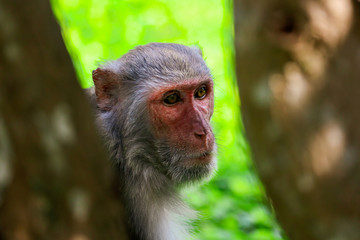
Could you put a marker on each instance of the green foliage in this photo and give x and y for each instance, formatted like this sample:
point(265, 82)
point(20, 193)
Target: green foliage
point(231, 205)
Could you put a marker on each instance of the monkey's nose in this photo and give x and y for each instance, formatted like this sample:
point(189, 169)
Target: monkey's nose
point(200, 134)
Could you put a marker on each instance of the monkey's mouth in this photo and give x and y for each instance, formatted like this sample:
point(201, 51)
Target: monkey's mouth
point(199, 158)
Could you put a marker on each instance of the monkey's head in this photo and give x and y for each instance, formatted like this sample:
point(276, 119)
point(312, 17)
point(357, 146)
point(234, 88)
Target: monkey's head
point(155, 104)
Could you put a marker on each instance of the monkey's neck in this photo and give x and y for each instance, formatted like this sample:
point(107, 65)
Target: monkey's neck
point(156, 212)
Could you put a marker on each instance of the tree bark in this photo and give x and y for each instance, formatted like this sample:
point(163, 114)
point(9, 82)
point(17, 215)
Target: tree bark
point(54, 179)
point(298, 72)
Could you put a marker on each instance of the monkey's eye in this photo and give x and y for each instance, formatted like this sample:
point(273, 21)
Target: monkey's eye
point(200, 93)
point(172, 98)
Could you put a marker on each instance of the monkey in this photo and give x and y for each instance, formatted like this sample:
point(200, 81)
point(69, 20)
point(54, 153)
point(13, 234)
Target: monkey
point(154, 106)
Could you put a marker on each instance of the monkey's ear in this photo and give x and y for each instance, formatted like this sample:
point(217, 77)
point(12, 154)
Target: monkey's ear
point(106, 88)
point(197, 50)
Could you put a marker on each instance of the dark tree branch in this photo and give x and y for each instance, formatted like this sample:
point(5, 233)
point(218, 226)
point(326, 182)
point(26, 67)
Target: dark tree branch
point(54, 179)
point(298, 74)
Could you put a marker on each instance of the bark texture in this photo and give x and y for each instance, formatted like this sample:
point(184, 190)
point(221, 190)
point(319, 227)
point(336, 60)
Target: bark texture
point(298, 69)
point(54, 180)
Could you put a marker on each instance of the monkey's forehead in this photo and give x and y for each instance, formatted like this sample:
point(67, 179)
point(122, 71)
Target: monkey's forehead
point(159, 58)
point(184, 83)
point(158, 74)
point(159, 68)
point(188, 84)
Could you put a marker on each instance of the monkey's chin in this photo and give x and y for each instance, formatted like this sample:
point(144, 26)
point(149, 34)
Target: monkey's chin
point(186, 167)
point(196, 169)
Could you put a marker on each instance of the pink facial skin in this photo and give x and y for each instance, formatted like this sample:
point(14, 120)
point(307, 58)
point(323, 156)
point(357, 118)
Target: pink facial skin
point(186, 123)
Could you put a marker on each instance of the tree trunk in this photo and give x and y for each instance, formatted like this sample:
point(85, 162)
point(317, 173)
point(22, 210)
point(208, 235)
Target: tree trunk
point(54, 180)
point(298, 68)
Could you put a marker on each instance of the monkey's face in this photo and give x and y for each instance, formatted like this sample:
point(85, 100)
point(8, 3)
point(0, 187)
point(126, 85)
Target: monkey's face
point(180, 115)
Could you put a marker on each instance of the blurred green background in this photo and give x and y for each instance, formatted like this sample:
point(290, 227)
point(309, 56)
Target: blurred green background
point(232, 205)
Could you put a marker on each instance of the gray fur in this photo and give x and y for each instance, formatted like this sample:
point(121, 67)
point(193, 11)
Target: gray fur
point(148, 167)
